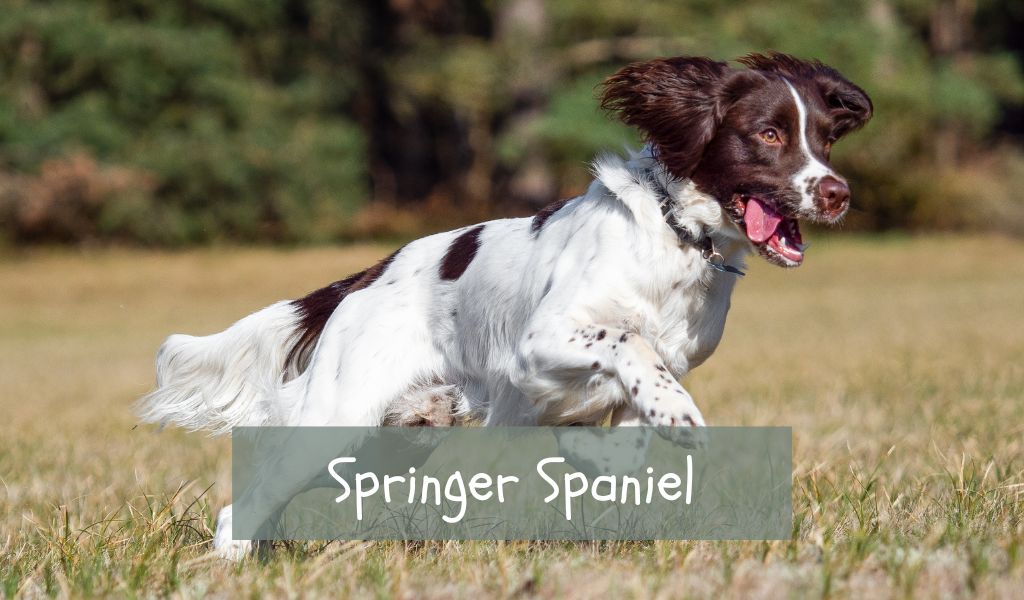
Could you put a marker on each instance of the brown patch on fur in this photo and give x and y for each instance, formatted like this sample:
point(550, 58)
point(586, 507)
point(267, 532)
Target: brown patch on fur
point(460, 253)
point(545, 213)
point(316, 308)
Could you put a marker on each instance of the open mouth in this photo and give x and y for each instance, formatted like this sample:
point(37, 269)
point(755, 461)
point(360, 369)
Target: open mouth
point(776, 236)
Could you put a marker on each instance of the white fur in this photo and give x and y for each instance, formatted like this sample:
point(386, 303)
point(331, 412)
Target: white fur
point(228, 548)
point(225, 380)
point(807, 178)
point(602, 310)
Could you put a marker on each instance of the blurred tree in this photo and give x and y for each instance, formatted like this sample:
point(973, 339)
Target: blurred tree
point(234, 109)
point(278, 119)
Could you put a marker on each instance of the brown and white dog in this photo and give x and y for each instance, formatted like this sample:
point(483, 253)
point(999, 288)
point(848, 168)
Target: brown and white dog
point(596, 305)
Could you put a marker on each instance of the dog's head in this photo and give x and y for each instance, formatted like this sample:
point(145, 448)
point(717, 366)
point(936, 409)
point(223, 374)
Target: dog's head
point(756, 139)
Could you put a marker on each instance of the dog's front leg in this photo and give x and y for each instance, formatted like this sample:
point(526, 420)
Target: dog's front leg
point(552, 358)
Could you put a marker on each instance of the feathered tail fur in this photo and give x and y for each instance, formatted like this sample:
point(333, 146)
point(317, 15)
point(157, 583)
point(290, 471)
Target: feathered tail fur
point(227, 379)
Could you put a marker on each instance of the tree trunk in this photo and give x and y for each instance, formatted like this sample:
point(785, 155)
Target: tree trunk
point(949, 37)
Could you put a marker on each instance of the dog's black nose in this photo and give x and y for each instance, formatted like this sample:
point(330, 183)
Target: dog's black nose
point(834, 194)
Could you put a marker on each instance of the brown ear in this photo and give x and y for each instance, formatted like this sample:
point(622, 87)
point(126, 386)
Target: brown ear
point(848, 105)
point(677, 103)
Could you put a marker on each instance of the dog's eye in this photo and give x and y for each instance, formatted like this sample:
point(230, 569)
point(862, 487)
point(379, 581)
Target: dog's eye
point(770, 136)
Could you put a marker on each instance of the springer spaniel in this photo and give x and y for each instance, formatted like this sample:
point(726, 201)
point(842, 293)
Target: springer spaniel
point(594, 306)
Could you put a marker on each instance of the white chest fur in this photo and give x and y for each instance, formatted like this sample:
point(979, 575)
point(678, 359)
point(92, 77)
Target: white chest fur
point(679, 303)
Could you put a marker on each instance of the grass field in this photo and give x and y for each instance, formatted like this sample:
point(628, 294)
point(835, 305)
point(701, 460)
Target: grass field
point(897, 361)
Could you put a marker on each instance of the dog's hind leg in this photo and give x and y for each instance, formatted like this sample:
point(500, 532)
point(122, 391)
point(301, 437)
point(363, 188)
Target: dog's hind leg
point(428, 404)
point(345, 385)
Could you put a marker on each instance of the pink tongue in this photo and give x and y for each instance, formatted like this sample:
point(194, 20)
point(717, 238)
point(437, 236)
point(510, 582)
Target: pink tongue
point(761, 221)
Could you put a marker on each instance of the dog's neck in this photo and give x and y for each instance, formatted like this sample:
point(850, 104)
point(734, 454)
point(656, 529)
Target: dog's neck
point(668, 205)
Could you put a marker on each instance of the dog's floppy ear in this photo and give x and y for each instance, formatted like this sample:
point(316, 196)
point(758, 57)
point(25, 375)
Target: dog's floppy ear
point(848, 105)
point(677, 103)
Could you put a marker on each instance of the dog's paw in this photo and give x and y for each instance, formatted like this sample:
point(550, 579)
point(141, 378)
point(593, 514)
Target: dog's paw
point(676, 411)
point(665, 404)
point(677, 419)
point(683, 425)
point(685, 437)
point(432, 405)
point(616, 451)
point(223, 545)
point(232, 550)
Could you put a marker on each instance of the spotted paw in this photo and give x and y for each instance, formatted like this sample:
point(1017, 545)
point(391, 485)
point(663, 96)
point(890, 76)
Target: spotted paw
point(685, 437)
point(595, 451)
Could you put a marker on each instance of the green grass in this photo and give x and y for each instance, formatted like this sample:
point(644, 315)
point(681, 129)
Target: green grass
point(897, 361)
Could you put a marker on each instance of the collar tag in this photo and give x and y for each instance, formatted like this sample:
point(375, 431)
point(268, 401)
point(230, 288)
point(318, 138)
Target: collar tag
point(704, 243)
point(717, 261)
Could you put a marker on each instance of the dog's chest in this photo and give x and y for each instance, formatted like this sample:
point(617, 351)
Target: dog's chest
point(686, 324)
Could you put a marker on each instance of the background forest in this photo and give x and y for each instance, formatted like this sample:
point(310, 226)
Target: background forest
point(195, 121)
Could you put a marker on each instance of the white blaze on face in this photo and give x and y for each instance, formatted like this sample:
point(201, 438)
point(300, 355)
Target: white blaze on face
point(806, 179)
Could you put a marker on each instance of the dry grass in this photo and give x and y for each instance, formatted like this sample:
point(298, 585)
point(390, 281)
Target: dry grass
point(897, 362)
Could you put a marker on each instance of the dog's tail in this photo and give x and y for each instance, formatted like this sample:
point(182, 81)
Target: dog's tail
point(227, 379)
